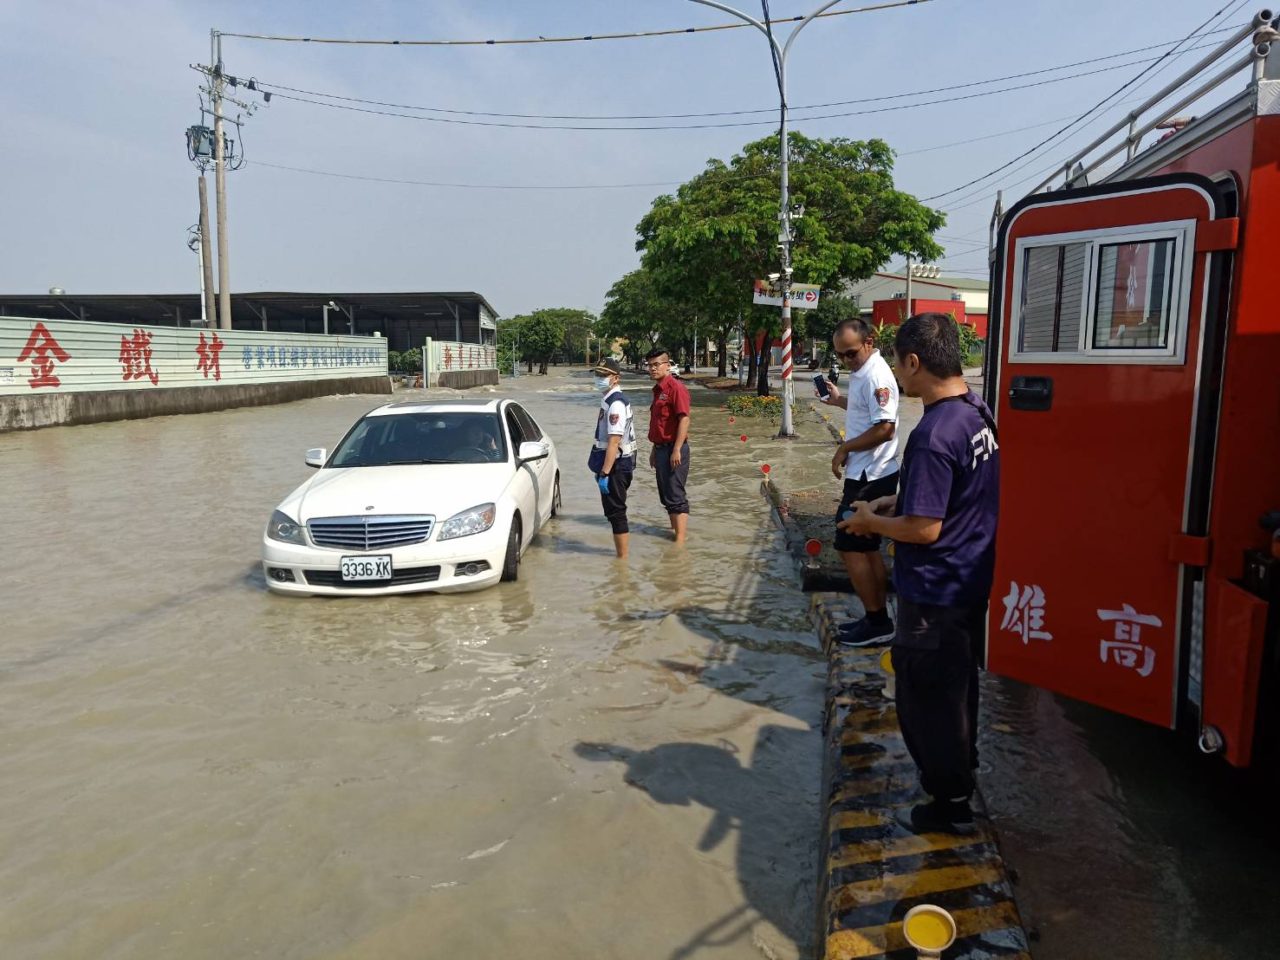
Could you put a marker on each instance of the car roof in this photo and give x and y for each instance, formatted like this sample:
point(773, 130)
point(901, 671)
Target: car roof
point(490, 405)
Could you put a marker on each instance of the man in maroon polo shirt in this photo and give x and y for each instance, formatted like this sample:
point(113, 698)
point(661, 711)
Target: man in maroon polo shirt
point(669, 434)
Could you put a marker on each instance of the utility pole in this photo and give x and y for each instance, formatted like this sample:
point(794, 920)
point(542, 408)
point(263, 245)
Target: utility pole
point(779, 56)
point(220, 183)
point(206, 260)
point(908, 308)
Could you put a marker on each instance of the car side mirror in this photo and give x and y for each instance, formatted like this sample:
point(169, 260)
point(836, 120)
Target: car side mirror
point(533, 450)
point(316, 456)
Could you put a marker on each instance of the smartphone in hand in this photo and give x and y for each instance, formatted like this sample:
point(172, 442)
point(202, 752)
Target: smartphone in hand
point(820, 382)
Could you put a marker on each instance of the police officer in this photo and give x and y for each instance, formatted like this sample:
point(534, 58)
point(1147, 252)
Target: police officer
point(613, 456)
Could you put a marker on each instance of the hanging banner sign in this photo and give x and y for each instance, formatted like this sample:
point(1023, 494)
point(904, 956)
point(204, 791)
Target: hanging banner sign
point(804, 296)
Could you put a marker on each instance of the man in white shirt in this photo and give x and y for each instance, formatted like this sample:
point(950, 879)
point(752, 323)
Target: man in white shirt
point(867, 459)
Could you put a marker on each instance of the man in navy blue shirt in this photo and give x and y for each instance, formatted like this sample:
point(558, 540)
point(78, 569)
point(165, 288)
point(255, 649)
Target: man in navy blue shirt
point(943, 521)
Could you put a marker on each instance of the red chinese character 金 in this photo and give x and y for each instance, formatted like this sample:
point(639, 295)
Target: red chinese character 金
point(43, 352)
point(208, 351)
point(135, 357)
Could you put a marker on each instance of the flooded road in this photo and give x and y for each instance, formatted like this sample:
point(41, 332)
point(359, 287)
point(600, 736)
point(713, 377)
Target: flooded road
point(1128, 842)
point(598, 760)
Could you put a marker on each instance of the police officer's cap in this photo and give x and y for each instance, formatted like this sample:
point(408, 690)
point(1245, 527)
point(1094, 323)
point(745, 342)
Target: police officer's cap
point(609, 367)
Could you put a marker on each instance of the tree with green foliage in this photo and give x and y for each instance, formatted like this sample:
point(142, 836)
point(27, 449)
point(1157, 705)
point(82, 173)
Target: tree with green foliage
point(579, 326)
point(508, 343)
point(706, 244)
point(541, 334)
point(637, 314)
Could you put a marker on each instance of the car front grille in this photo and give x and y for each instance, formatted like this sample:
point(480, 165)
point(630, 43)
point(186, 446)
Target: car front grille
point(333, 578)
point(369, 533)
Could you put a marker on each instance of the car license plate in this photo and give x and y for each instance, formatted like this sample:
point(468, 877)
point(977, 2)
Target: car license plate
point(377, 567)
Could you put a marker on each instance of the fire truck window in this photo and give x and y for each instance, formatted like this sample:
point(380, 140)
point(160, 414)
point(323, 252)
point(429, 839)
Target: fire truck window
point(1053, 288)
point(1135, 296)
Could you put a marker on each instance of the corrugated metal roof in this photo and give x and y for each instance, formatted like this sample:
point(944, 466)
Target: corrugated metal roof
point(179, 309)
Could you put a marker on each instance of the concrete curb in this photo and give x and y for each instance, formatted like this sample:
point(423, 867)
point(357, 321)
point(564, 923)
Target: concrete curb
point(813, 576)
point(872, 869)
point(23, 412)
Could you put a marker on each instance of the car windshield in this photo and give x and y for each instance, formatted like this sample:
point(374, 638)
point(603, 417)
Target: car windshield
point(427, 437)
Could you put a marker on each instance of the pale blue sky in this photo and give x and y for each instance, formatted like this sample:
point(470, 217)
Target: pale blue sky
point(97, 192)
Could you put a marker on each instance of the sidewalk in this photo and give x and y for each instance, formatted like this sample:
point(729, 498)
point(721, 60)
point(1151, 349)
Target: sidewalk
point(873, 870)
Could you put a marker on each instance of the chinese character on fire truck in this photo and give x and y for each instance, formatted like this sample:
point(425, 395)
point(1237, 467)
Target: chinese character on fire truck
point(43, 351)
point(1024, 613)
point(135, 357)
point(208, 351)
point(1124, 650)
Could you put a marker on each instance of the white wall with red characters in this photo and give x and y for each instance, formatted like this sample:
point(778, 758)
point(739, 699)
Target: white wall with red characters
point(446, 356)
point(59, 356)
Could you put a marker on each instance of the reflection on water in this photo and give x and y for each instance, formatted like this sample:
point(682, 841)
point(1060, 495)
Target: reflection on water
point(196, 767)
point(1127, 841)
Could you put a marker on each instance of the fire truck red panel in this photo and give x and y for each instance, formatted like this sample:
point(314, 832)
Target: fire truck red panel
point(1087, 600)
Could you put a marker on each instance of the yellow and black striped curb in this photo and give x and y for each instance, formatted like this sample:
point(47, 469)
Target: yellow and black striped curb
point(873, 869)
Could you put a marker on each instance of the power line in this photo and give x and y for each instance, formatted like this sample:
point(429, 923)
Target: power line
point(1091, 110)
point(280, 89)
point(711, 126)
point(591, 186)
point(486, 186)
point(636, 35)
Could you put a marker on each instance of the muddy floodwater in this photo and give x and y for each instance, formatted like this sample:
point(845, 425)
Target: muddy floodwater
point(599, 760)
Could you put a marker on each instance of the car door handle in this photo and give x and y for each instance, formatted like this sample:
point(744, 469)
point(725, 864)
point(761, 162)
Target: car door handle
point(1031, 393)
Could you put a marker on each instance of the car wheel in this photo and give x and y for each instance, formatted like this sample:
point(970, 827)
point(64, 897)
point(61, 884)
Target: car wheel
point(555, 498)
point(511, 564)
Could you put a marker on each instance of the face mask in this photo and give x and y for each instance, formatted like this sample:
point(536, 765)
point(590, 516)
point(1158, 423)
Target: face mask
point(603, 383)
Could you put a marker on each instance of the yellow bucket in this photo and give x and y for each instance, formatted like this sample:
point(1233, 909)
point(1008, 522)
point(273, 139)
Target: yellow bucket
point(929, 929)
point(886, 664)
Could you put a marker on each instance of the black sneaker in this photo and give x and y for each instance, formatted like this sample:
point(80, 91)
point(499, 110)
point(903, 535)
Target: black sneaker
point(940, 816)
point(864, 633)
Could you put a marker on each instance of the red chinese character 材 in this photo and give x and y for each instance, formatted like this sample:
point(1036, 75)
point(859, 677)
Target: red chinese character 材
point(43, 351)
point(208, 351)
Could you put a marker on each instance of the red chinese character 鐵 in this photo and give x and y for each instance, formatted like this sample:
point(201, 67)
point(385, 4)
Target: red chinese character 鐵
point(208, 351)
point(135, 357)
point(43, 351)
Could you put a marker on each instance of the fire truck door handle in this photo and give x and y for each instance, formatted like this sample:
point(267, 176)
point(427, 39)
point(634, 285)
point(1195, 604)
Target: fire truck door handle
point(1031, 393)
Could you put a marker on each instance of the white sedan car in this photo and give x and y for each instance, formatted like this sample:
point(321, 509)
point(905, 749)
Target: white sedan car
point(442, 495)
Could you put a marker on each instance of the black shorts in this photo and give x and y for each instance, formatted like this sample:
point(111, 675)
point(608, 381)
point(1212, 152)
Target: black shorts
point(862, 489)
point(615, 501)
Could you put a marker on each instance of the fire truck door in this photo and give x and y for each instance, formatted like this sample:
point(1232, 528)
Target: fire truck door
point(1093, 379)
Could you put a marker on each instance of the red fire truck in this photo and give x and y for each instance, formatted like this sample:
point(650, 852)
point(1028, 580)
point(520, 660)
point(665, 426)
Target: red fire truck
point(1133, 366)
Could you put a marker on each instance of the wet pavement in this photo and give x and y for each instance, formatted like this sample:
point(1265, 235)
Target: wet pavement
point(599, 760)
point(1124, 839)
point(1127, 842)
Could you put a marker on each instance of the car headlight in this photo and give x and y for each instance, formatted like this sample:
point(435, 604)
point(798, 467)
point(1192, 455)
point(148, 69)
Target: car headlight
point(464, 524)
point(281, 528)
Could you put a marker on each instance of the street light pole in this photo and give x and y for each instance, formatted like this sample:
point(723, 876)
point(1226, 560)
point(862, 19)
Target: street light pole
point(784, 214)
